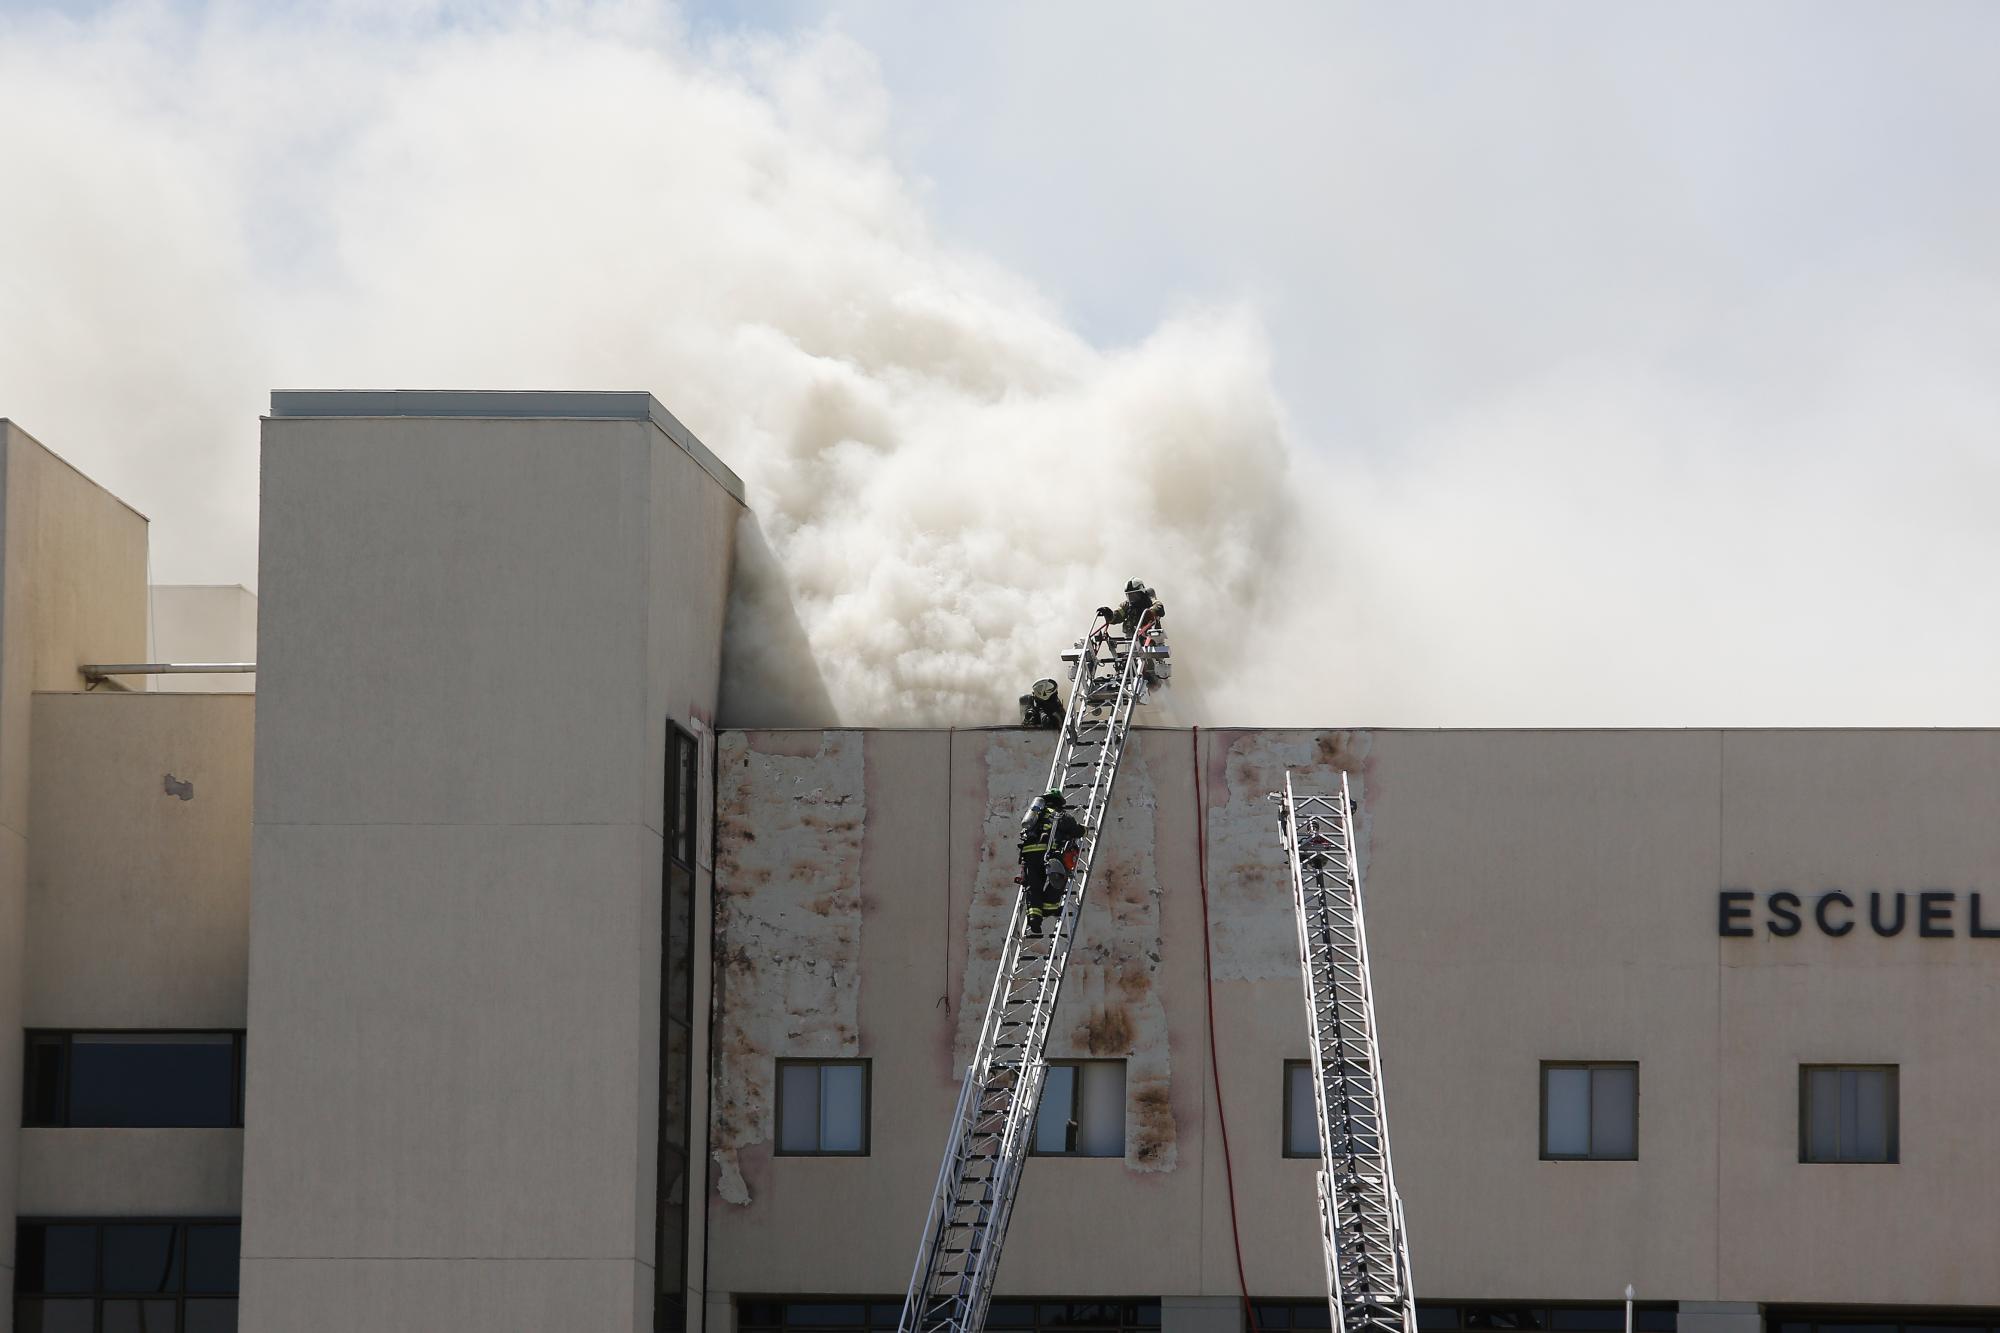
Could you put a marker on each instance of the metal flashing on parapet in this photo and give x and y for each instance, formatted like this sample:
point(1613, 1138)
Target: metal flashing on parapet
point(506, 405)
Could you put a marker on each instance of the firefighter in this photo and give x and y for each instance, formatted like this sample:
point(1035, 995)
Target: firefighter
point(1139, 599)
point(1048, 833)
point(1041, 706)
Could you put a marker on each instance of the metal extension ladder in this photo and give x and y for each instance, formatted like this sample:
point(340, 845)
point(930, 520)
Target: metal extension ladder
point(993, 1127)
point(1361, 1215)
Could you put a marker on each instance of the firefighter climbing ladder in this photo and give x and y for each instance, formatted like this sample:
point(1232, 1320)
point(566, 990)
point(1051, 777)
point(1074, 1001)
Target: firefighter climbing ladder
point(993, 1127)
point(1361, 1215)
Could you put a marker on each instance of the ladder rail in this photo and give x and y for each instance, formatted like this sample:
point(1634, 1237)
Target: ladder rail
point(999, 1098)
point(1361, 1225)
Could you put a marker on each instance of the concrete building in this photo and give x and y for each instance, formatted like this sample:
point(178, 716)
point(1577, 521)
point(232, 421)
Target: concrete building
point(528, 993)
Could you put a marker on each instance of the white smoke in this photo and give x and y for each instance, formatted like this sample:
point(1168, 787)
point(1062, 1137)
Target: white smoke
point(204, 204)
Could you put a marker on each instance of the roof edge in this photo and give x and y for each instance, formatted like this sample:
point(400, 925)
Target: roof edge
point(507, 405)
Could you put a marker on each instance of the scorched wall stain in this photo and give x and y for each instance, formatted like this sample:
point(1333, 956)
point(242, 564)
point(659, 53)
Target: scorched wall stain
point(1110, 1005)
point(787, 927)
point(1255, 936)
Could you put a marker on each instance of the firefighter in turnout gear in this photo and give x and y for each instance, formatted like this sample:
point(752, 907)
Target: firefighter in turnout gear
point(1048, 847)
point(1139, 599)
point(1041, 706)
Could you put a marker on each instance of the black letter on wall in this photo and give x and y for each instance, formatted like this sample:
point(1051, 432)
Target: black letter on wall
point(1783, 905)
point(1729, 910)
point(1875, 914)
point(1979, 931)
point(1819, 913)
point(1934, 906)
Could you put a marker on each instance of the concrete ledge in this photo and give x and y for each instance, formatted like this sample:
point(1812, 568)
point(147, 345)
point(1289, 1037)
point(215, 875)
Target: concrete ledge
point(131, 1172)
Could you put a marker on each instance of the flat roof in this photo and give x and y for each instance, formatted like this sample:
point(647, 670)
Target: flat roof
point(507, 404)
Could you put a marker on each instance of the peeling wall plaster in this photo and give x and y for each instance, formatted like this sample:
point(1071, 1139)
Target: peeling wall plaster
point(1110, 1005)
point(1255, 936)
point(790, 811)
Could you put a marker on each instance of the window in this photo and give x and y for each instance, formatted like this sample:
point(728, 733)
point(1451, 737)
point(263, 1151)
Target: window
point(162, 1080)
point(822, 1108)
point(681, 786)
point(1949, 1320)
point(126, 1276)
point(1301, 1112)
point(880, 1314)
point(683, 754)
point(1847, 1113)
point(1590, 1112)
point(1082, 1113)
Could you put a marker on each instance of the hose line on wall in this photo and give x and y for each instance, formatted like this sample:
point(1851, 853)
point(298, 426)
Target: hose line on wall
point(1214, 1058)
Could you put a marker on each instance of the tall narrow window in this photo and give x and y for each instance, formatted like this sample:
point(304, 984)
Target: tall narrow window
point(1301, 1112)
point(823, 1108)
point(1082, 1113)
point(677, 822)
point(1590, 1112)
point(1847, 1113)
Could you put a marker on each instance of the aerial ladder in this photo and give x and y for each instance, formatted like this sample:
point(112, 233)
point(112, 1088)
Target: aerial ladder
point(1361, 1215)
point(993, 1127)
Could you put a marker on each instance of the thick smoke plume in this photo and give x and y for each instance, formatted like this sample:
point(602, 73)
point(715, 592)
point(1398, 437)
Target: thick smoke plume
point(205, 204)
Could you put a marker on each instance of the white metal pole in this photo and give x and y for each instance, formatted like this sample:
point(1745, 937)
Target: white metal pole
point(1628, 1307)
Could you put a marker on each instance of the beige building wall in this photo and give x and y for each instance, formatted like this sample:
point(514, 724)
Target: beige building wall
point(483, 611)
point(1531, 896)
point(138, 916)
point(72, 590)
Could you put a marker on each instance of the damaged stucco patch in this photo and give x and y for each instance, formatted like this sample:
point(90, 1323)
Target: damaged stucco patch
point(1255, 936)
point(1110, 1005)
point(789, 820)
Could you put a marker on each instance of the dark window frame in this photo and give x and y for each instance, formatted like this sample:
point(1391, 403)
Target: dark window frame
point(681, 778)
point(100, 1292)
point(64, 1039)
point(1289, 1120)
point(681, 806)
point(1590, 1118)
point(867, 1105)
point(1895, 1114)
point(1076, 1109)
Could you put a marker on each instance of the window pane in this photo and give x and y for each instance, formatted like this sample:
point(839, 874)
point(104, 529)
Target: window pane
point(1655, 1321)
point(1315, 1315)
point(1577, 1319)
point(154, 1316)
point(211, 1258)
point(798, 1108)
point(210, 1316)
point(1052, 1116)
point(56, 1259)
point(1849, 1112)
point(141, 1258)
point(1101, 1109)
point(1568, 1114)
point(1301, 1115)
point(152, 1079)
point(1823, 1115)
point(825, 1315)
point(55, 1316)
point(1011, 1314)
point(41, 1102)
point(1437, 1316)
point(1871, 1120)
point(1614, 1115)
point(843, 1108)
